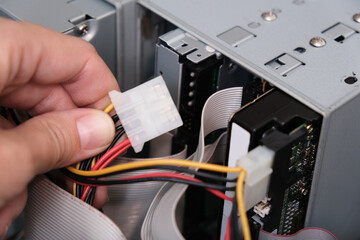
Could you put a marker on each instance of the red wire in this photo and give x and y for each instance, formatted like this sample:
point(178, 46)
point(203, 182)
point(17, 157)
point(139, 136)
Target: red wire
point(110, 159)
point(114, 151)
point(106, 159)
point(110, 155)
point(228, 229)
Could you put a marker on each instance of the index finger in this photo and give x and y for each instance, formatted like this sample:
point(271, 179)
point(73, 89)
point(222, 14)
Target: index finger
point(53, 65)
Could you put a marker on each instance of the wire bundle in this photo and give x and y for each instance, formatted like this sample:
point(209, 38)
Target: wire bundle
point(91, 178)
point(86, 175)
point(100, 161)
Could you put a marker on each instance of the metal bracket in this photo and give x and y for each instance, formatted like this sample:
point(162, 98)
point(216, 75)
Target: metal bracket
point(339, 32)
point(185, 44)
point(284, 64)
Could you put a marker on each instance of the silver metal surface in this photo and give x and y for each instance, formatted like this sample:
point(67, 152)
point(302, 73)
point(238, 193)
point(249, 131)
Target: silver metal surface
point(236, 36)
point(339, 32)
point(317, 42)
point(169, 66)
point(289, 31)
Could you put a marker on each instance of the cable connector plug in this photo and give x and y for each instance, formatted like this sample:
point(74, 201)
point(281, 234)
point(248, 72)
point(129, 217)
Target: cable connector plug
point(146, 111)
point(258, 166)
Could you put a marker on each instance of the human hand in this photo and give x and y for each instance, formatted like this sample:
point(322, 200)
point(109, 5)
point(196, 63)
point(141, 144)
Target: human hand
point(50, 75)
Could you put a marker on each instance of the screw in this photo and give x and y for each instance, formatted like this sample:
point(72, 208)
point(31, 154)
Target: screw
point(356, 17)
point(317, 42)
point(82, 29)
point(269, 16)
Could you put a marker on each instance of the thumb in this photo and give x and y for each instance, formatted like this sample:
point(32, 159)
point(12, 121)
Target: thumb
point(58, 139)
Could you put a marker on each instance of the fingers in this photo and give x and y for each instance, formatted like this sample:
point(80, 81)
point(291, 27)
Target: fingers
point(50, 141)
point(5, 124)
point(11, 210)
point(48, 58)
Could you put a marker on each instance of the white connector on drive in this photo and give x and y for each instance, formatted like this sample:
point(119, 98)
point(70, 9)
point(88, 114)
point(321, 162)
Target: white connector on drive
point(258, 165)
point(146, 111)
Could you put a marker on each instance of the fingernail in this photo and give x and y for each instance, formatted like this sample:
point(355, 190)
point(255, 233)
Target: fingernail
point(95, 130)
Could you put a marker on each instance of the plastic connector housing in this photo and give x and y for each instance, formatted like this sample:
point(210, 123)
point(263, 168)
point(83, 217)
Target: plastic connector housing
point(146, 111)
point(258, 165)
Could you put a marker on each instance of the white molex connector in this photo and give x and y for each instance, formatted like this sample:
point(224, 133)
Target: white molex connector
point(262, 209)
point(146, 111)
point(258, 165)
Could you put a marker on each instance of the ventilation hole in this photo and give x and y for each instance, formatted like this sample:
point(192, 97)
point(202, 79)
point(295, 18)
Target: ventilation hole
point(350, 80)
point(340, 39)
point(300, 50)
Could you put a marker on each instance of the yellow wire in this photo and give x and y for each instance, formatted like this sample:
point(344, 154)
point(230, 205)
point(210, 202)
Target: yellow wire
point(184, 163)
point(241, 205)
point(150, 163)
point(93, 162)
point(109, 108)
point(263, 87)
point(74, 184)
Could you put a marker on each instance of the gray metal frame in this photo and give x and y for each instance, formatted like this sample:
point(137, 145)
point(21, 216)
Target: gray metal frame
point(319, 83)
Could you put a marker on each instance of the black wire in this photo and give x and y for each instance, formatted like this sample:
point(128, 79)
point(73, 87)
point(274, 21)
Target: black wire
point(91, 194)
point(4, 113)
point(119, 128)
point(92, 181)
point(112, 144)
point(115, 118)
point(14, 116)
point(85, 166)
point(234, 221)
point(202, 175)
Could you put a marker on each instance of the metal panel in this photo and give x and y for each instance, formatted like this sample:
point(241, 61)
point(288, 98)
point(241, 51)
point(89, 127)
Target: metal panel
point(335, 194)
point(319, 84)
point(53, 14)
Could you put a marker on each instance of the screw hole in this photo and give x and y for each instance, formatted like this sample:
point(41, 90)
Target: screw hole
point(350, 80)
point(184, 45)
point(199, 55)
point(300, 50)
point(161, 73)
